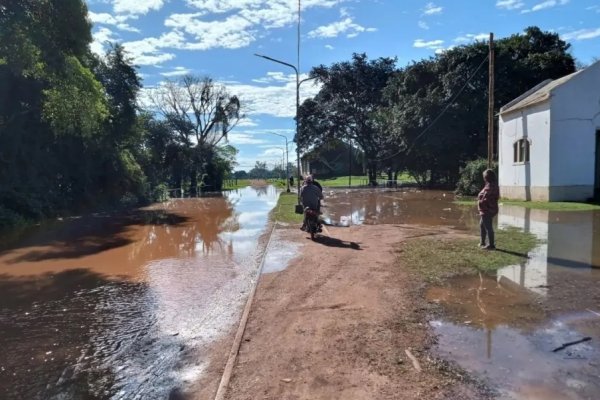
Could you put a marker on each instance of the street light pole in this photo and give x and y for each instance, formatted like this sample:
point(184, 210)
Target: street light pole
point(287, 159)
point(297, 109)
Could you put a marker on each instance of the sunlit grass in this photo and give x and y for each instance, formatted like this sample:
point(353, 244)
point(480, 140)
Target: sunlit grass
point(284, 211)
point(358, 180)
point(438, 258)
point(539, 205)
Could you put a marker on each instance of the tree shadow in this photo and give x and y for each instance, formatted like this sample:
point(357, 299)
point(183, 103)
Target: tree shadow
point(334, 242)
point(74, 238)
point(513, 253)
point(49, 322)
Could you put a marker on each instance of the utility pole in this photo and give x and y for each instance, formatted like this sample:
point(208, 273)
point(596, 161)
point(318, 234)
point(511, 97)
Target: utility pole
point(491, 103)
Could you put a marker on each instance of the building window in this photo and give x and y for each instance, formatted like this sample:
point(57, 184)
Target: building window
point(521, 151)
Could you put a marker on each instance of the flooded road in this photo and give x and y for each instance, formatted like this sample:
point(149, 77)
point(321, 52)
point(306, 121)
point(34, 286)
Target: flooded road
point(381, 206)
point(126, 306)
point(503, 328)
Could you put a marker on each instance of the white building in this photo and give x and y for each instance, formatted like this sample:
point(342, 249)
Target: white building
point(549, 140)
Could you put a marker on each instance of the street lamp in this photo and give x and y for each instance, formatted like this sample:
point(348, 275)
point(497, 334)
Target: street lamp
point(283, 154)
point(287, 159)
point(298, 83)
point(297, 108)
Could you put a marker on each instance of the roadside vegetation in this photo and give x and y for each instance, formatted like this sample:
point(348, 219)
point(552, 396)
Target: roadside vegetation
point(538, 205)
point(438, 258)
point(284, 211)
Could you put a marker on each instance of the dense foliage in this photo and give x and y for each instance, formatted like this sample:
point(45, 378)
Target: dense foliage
point(430, 117)
point(72, 136)
point(471, 181)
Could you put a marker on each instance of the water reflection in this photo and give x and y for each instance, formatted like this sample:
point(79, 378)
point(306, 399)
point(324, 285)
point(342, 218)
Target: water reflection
point(505, 327)
point(126, 306)
point(377, 206)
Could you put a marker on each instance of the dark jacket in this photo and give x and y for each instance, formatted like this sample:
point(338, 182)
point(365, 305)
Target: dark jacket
point(488, 200)
point(310, 196)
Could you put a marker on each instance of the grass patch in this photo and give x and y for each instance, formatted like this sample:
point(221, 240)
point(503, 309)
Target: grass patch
point(235, 183)
point(539, 205)
point(284, 211)
point(360, 180)
point(436, 259)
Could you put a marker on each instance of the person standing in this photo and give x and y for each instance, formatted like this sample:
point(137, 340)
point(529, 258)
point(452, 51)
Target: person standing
point(488, 208)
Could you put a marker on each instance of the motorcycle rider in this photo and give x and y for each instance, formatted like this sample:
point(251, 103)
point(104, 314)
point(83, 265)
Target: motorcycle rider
point(310, 196)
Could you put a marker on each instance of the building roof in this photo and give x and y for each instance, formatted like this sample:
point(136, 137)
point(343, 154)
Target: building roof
point(538, 94)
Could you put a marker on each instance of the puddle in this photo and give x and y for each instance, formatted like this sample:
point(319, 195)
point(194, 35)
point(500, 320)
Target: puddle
point(504, 328)
point(409, 206)
point(126, 306)
point(279, 254)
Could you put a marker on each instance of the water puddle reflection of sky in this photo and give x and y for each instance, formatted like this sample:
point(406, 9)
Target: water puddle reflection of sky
point(126, 306)
point(503, 328)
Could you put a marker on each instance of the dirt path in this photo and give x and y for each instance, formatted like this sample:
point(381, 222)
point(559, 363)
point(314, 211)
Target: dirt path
point(336, 323)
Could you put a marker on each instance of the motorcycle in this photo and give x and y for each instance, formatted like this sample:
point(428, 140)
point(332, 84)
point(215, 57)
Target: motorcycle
point(312, 222)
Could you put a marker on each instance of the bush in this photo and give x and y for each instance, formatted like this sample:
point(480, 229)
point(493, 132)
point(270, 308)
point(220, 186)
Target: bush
point(470, 181)
point(10, 219)
point(160, 193)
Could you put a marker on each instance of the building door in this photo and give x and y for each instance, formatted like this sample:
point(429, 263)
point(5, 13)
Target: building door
point(597, 181)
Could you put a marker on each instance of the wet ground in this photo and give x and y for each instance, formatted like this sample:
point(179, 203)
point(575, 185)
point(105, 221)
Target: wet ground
point(111, 306)
point(504, 328)
point(127, 306)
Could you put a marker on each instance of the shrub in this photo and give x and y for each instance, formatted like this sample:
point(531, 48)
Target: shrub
point(470, 181)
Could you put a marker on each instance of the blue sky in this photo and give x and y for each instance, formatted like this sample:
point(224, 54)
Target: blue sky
point(217, 38)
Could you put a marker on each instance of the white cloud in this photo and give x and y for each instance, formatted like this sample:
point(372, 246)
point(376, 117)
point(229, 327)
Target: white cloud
point(510, 4)
point(136, 6)
point(594, 8)
point(277, 99)
point(148, 51)
point(177, 71)
point(432, 44)
point(117, 21)
point(432, 9)
point(582, 34)
point(423, 25)
point(272, 77)
point(469, 37)
point(329, 47)
point(100, 38)
point(237, 138)
point(545, 5)
point(346, 26)
point(232, 33)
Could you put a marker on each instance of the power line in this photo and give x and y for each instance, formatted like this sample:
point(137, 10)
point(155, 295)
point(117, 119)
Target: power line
point(441, 114)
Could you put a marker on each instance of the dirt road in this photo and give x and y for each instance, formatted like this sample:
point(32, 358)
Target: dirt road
point(337, 322)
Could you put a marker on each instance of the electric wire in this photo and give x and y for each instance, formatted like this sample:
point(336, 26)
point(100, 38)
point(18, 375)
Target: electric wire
point(440, 115)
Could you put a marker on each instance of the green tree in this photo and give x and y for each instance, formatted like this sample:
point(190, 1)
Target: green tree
point(201, 112)
point(346, 107)
point(437, 108)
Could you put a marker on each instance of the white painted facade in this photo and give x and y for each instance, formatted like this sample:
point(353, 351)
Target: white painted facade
point(561, 121)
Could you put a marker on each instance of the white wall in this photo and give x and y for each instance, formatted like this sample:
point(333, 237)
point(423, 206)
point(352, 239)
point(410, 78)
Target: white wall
point(532, 123)
point(575, 118)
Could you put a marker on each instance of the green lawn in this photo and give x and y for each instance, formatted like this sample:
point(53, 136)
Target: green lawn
point(284, 211)
point(342, 181)
point(436, 259)
point(540, 205)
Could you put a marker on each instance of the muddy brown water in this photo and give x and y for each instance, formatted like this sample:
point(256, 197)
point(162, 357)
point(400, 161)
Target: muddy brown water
point(127, 306)
point(109, 306)
point(504, 327)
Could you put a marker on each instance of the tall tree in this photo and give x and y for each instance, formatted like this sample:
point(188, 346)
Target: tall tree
point(346, 106)
point(201, 112)
point(438, 107)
